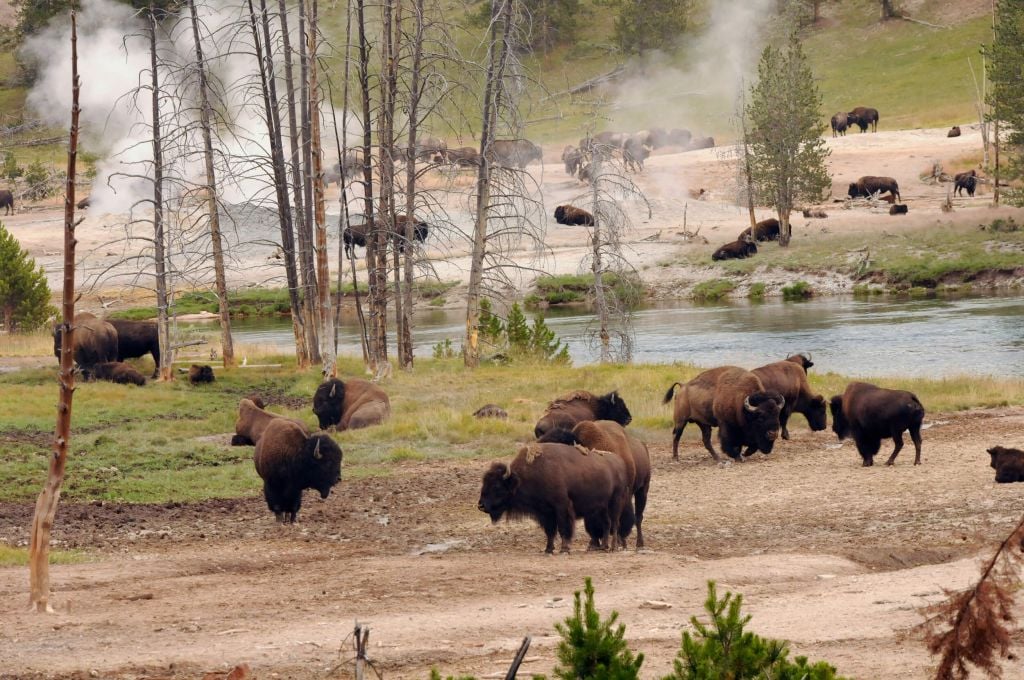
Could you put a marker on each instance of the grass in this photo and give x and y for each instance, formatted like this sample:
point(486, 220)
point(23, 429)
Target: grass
point(798, 290)
point(166, 442)
point(576, 288)
point(713, 290)
point(756, 291)
point(18, 557)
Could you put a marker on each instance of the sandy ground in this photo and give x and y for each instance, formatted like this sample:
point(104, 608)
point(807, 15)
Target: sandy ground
point(834, 557)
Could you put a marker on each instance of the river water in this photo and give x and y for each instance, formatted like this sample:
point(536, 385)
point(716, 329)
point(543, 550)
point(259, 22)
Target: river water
point(858, 337)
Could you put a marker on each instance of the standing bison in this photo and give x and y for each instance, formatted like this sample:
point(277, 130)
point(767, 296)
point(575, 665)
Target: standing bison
point(868, 185)
point(765, 230)
point(356, 234)
point(869, 413)
point(635, 151)
point(802, 360)
point(6, 201)
point(253, 420)
point(965, 180)
point(94, 341)
point(1008, 464)
point(864, 117)
point(351, 404)
point(581, 405)
point(556, 484)
point(289, 460)
point(573, 159)
point(840, 122)
point(137, 339)
point(572, 216)
point(513, 153)
point(790, 380)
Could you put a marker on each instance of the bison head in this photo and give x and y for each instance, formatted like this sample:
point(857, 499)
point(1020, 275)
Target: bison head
point(321, 464)
point(611, 407)
point(328, 402)
point(560, 214)
point(853, 191)
point(762, 418)
point(802, 360)
point(816, 414)
point(839, 423)
point(497, 491)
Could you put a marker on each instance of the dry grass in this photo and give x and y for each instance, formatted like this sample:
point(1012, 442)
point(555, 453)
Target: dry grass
point(35, 344)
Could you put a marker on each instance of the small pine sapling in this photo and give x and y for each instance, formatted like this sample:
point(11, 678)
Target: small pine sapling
point(592, 648)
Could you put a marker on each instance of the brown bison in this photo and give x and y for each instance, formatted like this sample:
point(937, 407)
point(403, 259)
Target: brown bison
point(765, 230)
point(790, 380)
point(350, 405)
point(428, 148)
point(607, 435)
point(802, 360)
point(573, 159)
point(954, 131)
point(868, 185)
point(556, 484)
point(965, 180)
point(1008, 464)
point(581, 405)
point(84, 203)
point(815, 214)
point(869, 413)
point(864, 117)
point(351, 165)
point(357, 234)
point(573, 216)
point(6, 201)
point(200, 374)
point(898, 209)
point(253, 420)
point(737, 250)
point(513, 153)
point(840, 122)
point(464, 157)
point(655, 137)
point(94, 341)
point(137, 339)
point(679, 137)
point(634, 152)
point(115, 372)
point(734, 400)
point(289, 460)
point(698, 143)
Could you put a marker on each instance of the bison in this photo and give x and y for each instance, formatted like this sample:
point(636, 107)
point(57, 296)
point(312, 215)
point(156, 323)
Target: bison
point(737, 250)
point(897, 209)
point(679, 137)
point(1008, 464)
point(765, 230)
point(816, 214)
point(352, 163)
point(840, 122)
point(7, 201)
point(464, 157)
point(789, 379)
point(115, 372)
point(954, 131)
point(869, 413)
point(573, 216)
point(253, 420)
point(137, 339)
point(84, 203)
point(965, 180)
point(573, 159)
point(350, 405)
point(868, 185)
point(356, 234)
point(491, 411)
point(802, 360)
point(701, 143)
point(94, 341)
point(634, 152)
point(556, 484)
point(864, 117)
point(428, 148)
point(655, 137)
point(289, 460)
point(734, 400)
point(581, 405)
point(200, 374)
point(513, 153)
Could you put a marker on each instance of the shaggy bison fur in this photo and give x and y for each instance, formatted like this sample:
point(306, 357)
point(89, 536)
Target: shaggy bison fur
point(899, 209)
point(840, 122)
point(737, 250)
point(115, 372)
point(289, 460)
point(802, 360)
point(137, 339)
point(765, 230)
point(954, 131)
point(200, 374)
point(864, 117)
point(94, 341)
point(869, 413)
point(790, 380)
point(253, 420)
point(869, 184)
point(6, 201)
point(581, 405)
point(965, 180)
point(350, 405)
point(573, 216)
point(556, 484)
point(1008, 464)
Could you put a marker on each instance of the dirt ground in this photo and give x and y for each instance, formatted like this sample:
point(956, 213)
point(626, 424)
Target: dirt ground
point(834, 557)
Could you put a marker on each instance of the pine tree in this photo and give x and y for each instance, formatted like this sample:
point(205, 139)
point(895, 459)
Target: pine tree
point(787, 150)
point(516, 329)
point(544, 344)
point(24, 293)
point(593, 649)
point(490, 326)
point(1005, 65)
point(651, 24)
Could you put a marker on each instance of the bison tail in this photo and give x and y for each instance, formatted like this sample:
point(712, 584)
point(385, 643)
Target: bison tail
point(671, 392)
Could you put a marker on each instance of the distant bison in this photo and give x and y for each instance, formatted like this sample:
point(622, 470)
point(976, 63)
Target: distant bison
point(790, 380)
point(701, 143)
point(634, 152)
point(200, 374)
point(253, 419)
point(289, 460)
point(352, 164)
point(954, 131)
point(137, 339)
point(898, 209)
point(864, 117)
point(6, 201)
point(840, 122)
point(573, 159)
point(573, 216)
point(1008, 464)
point(816, 214)
point(869, 413)
point(84, 203)
point(582, 405)
point(869, 184)
point(513, 153)
point(350, 405)
point(115, 372)
point(357, 234)
point(94, 341)
point(765, 230)
point(965, 180)
point(679, 137)
point(737, 250)
point(491, 411)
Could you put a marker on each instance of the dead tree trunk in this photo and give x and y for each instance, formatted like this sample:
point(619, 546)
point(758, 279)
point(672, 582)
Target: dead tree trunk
point(310, 294)
point(405, 330)
point(326, 319)
point(205, 116)
point(596, 265)
point(49, 497)
point(159, 251)
point(392, 27)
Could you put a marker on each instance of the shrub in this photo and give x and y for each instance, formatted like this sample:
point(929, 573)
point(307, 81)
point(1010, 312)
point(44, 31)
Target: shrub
point(799, 290)
point(710, 291)
point(592, 648)
point(1001, 225)
point(24, 293)
point(37, 177)
point(11, 169)
point(445, 350)
point(756, 291)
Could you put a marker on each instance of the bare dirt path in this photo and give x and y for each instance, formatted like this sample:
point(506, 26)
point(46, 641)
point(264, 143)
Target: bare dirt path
point(834, 557)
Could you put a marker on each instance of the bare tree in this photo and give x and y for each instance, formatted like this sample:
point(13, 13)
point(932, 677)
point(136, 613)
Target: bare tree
point(159, 243)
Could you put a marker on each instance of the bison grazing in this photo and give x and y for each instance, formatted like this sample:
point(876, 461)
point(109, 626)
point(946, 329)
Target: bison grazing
point(802, 360)
point(733, 399)
point(6, 201)
point(868, 185)
point(289, 460)
point(200, 374)
point(1008, 464)
point(491, 411)
point(737, 250)
point(954, 131)
point(634, 152)
point(864, 117)
point(581, 405)
point(573, 216)
point(556, 484)
point(350, 405)
point(965, 180)
point(94, 341)
point(253, 420)
point(790, 380)
point(137, 339)
point(765, 230)
point(513, 153)
point(840, 122)
point(898, 209)
point(115, 372)
point(869, 413)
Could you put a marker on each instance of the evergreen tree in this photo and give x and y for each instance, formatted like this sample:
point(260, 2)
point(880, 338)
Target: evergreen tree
point(544, 344)
point(787, 150)
point(651, 24)
point(24, 293)
point(1005, 65)
point(592, 649)
point(490, 326)
point(517, 330)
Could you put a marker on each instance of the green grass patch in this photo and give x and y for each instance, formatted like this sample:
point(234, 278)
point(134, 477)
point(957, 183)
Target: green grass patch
point(577, 288)
point(18, 557)
point(713, 290)
point(798, 290)
point(756, 291)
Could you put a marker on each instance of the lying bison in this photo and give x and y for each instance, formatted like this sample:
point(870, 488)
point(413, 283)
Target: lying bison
point(1008, 464)
point(898, 209)
point(864, 117)
point(115, 372)
point(94, 341)
point(136, 339)
point(868, 185)
point(869, 413)
point(765, 230)
point(581, 405)
point(733, 399)
point(840, 122)
point(556, 484)
point(200, 374)
point(790, 380)
point(954, 131)
point(573, 216)
point(350, 405)
point(965, 180)
point(6, 201)
point(253, 419)
point(289, 460)
point(737, 250)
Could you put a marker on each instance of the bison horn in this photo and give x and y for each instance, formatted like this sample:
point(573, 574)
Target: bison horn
point(747, 406)
point(316, 450)
point(334, 387)
point(781, 401)
point(508, 473)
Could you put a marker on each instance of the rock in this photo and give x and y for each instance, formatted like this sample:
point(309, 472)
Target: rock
point(655, 604)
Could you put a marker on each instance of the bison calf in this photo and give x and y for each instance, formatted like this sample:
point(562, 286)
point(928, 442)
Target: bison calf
point(288, 460)
point(115, 372)
point(899, 209)
point(869, 413)
point(573, 216)
point(1008, 464)
point(200, 374)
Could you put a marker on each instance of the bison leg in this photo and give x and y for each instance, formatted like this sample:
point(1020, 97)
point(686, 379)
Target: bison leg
point(595, 530)
point(915, 436)
point(550, 527)
point(898, 440)
point(677, 433)
point(640, 503)
point(705, 436)
point(783, 419)
point(566, 525)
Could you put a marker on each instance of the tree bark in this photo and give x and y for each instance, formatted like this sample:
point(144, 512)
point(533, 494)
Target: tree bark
point(377, 351)
point(159, 246)
point(406, 359)
point(205, 116)
point(49, 497)
point(597, 268)
point(306, 244)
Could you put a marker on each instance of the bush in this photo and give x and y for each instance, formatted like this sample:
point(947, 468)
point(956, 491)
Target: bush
point(37, 179)
point(651, 24)
point(518, 338)
point(800, 290)
point(11, 169)
point(592, 648)
point(710, 291)
point(756, 291)
point(24, 293)
point(445, 350)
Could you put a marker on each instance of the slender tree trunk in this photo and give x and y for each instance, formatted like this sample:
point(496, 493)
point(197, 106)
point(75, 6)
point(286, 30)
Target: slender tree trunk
point(597, 267)
point(159, 243)
point(49, 497)
point(323, 276)
point(377, 353)
point(205, 116)
point(406, 359)
point(392, 27)
point(310, 286)
point(785, 229)
point(995, 148)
